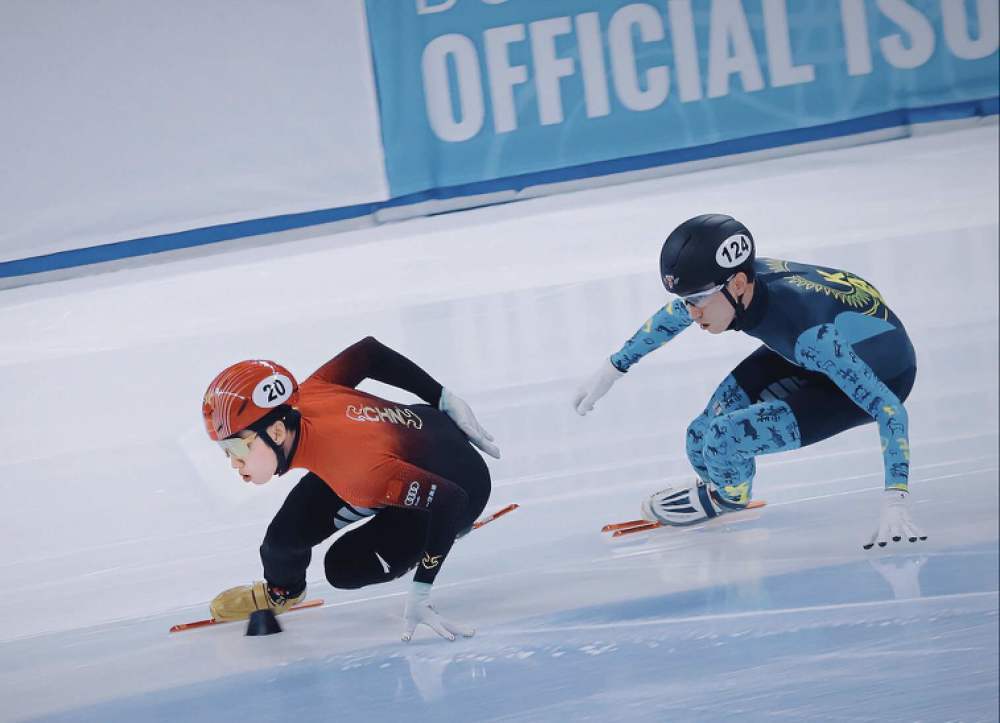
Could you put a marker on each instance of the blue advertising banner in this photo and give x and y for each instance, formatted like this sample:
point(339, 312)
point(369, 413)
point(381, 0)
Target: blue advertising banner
point(475, 90)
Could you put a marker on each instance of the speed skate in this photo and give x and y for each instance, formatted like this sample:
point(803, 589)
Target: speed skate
point(620, 529)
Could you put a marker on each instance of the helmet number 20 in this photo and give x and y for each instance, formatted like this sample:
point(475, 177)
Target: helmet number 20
point(272, 391)
point(734, 251)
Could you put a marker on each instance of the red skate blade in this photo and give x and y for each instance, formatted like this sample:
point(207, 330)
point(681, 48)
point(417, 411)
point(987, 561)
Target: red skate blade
point(625, 525)
point(624, 528)
point(499, 513)
point(638, 528)
point(212, 621)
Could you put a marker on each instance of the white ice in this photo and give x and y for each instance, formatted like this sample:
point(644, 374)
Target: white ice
point(118, 518)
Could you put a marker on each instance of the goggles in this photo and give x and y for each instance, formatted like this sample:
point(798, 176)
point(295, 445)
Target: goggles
point(700, 298)
point(237, 447)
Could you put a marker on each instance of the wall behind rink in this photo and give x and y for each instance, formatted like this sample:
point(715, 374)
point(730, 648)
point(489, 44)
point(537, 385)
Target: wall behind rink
point(129, 121)
point(138, 127)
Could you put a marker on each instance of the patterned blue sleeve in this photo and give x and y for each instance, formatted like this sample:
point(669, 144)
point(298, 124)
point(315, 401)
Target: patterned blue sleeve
point(660, 328)
point(823, 349)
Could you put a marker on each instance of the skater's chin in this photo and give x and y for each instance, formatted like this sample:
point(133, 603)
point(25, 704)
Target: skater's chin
point(255, 480)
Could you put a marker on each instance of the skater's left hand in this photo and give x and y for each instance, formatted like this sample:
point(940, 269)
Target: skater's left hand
point(894, 520)
point(419, 611)
point(460, 413)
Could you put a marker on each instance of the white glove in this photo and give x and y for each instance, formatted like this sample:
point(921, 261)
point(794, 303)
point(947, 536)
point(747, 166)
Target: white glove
point(419, 610)
point(596, 387)
point(461, 414)
point(894, 520)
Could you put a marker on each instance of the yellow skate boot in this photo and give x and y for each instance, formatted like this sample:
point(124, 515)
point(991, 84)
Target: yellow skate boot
point(237, 603)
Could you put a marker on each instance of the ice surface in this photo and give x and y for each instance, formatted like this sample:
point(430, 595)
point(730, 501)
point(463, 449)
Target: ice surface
point(118, 519)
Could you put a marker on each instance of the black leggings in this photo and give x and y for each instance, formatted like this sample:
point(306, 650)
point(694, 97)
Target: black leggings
point(821, 409)
point(382, 548)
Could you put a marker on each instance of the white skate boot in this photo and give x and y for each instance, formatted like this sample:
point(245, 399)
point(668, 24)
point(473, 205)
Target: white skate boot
point(683, 505)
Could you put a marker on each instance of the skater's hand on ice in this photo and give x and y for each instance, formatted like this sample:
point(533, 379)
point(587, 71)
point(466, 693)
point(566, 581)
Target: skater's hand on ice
point(596, 387)
point(461, 414)
point(419, 611)
point(894, 520)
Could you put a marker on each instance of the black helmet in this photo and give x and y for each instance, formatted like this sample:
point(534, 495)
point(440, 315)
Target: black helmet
point(705, 251)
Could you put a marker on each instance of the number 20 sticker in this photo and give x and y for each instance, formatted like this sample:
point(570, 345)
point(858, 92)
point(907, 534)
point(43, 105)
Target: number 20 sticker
point(272, 391)
point(734, 251)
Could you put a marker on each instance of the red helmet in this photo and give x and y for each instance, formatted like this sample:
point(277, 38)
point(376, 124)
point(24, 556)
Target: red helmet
point(244, 393)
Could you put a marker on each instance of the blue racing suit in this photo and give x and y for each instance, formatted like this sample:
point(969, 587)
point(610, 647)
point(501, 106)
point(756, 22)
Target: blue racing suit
point(834, 356)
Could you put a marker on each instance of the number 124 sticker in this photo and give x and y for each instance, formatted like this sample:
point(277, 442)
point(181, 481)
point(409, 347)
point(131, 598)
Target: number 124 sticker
point(734, 251)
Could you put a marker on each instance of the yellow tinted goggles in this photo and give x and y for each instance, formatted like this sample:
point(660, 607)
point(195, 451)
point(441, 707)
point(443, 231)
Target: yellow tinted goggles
point(237, 447)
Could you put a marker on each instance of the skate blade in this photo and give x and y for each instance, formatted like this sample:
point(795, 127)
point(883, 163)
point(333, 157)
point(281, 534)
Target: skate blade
point(499, 513)
point(212, 621)
point(619, 529)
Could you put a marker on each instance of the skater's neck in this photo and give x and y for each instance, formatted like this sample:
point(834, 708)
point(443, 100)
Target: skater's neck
point(755, 302)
